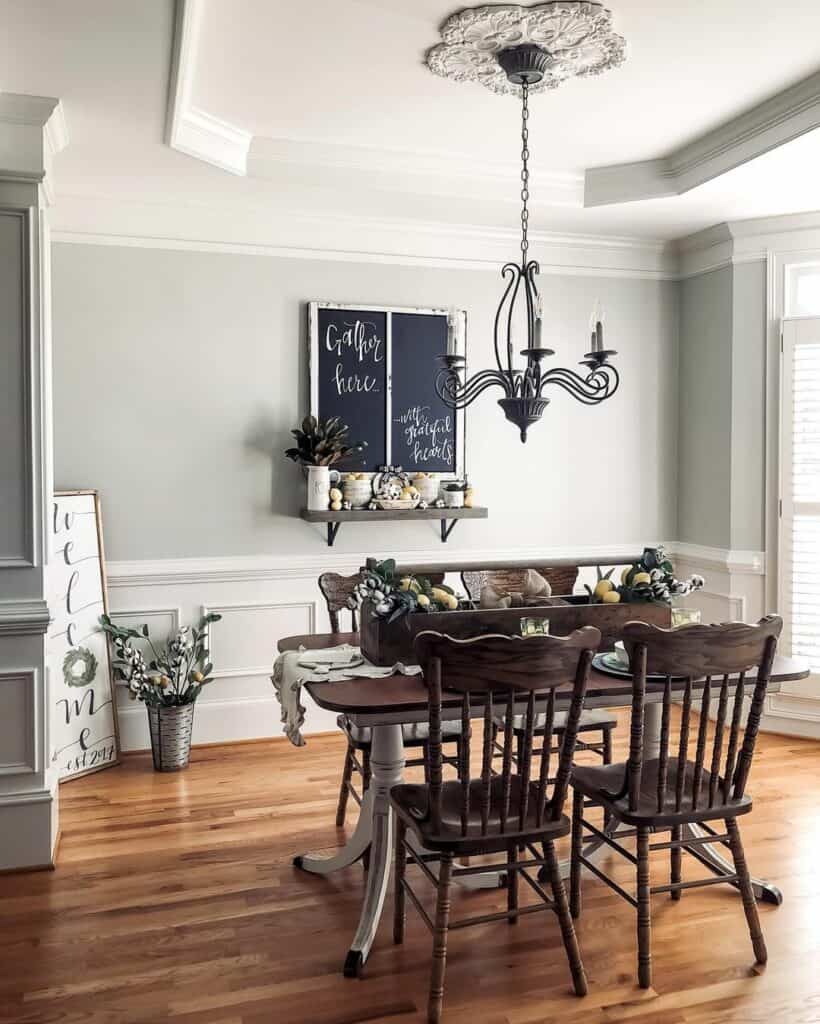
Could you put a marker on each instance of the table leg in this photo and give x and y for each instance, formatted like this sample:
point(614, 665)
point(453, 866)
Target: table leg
point(374, 829)
point(709, 856)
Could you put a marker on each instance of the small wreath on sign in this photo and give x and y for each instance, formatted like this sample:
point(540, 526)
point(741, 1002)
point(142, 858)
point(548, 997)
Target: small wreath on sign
point(79, 667)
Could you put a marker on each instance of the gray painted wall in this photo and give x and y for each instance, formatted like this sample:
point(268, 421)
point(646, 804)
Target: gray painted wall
point(748, 406)
point(177, 376)
point(704, 430)
point(722, 377)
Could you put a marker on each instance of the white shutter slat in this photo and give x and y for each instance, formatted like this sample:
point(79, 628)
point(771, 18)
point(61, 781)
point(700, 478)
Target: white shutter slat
point(800, 487)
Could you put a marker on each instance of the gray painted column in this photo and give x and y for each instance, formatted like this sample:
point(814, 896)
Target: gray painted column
point(31, 129)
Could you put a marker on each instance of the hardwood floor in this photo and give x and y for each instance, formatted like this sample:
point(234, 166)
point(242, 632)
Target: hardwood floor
point(175, 900)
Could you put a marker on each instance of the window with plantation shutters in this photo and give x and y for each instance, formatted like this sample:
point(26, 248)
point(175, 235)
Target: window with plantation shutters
point(800, 490)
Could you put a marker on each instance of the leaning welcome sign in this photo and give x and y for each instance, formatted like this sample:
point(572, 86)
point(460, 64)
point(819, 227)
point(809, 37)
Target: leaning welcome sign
point(83, 716)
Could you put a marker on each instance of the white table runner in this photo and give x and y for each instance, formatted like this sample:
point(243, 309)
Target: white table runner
point(289, 676)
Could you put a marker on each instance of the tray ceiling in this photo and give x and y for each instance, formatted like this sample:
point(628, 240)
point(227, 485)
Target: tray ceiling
point(329, 106)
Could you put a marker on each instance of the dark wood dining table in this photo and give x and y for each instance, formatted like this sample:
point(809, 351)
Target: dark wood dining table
point(387, 703)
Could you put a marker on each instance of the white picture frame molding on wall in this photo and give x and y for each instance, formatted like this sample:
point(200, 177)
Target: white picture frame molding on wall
point(313, 364)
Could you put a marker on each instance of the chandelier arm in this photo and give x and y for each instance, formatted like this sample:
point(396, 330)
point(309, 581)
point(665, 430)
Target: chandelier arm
point(510, 312)
point(597, 386)
point(511, 270)
point(451, 391)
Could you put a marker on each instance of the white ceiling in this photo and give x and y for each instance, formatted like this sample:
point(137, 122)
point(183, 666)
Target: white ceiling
point(345, 117)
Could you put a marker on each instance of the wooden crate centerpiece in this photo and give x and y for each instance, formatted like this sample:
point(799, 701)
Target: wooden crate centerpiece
point(385, 643)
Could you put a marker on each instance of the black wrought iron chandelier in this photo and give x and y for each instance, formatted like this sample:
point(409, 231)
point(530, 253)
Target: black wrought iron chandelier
point(524, 389)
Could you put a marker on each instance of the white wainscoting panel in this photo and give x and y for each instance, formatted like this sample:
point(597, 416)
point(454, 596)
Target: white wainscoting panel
point(241, 641)
point(18, 724)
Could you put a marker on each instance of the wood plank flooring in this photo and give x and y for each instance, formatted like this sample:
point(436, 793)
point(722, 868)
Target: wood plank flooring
point(175, 900)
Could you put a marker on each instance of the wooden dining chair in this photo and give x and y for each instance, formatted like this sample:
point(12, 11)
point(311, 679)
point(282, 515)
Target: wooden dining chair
point(337, 590)
point(596, 727)
point(667, 793)
point(504, 814)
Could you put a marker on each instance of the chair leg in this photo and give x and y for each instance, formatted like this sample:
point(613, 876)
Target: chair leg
point(425, 755)
point(344, 789)
point(579, 978)
point(368, 774)
point(746, 891)
point(440, 939)
point(644, 915)
point(398, 880)
point(577, 847)
point(607, 752)
point(675, 856)
point(512, 884)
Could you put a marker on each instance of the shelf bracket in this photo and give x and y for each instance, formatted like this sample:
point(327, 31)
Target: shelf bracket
point(332, 530)
point(447, 530)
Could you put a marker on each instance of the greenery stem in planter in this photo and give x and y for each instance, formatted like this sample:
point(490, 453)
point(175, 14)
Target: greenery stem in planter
point(168, 683)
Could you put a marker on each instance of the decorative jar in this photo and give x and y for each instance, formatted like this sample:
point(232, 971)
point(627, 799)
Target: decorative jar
point(358, 490)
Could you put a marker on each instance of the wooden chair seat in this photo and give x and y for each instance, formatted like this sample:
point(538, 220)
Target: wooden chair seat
point(414, 734)
point(604, 784)
point(454, 834)
point(591, 721)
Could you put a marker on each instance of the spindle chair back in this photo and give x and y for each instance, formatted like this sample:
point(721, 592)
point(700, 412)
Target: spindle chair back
point(714, 666)
point(722, 760)
point(337, 591)
point(508, 813)
point(499, 671)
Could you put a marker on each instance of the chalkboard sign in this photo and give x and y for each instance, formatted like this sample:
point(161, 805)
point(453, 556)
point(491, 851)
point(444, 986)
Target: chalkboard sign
point(375, 367)
point(83, 718)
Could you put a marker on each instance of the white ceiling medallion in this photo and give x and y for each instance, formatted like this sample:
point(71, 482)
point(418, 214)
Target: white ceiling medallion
point(577, 36)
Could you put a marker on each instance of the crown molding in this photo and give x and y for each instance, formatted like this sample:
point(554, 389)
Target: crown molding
point(33, 130)
point(294, 234)
point(747, 241)
point(188, 129)
point(770, 124)
point(421, 173)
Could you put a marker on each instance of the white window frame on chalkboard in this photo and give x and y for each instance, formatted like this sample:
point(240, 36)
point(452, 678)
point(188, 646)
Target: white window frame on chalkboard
point(388, 311)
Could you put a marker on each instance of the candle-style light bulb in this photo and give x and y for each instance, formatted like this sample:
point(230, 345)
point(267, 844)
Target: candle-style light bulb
point(452, 332)
point(539, 316)
point(596, 328)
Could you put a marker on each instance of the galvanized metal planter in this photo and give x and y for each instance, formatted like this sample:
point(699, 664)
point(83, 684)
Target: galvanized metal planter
point(171, 730)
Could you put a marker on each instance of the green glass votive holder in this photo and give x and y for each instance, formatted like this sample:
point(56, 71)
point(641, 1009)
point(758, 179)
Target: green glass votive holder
point(535, 627)
point(685, 617)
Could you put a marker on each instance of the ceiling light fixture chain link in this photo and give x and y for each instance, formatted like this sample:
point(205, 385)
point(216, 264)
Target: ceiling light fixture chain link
point(525, 171)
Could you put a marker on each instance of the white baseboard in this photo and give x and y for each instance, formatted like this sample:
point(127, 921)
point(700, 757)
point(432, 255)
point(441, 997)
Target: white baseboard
point(225, 721)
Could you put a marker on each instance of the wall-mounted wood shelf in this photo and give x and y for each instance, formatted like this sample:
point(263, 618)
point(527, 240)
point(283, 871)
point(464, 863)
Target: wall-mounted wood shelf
point(447, 516)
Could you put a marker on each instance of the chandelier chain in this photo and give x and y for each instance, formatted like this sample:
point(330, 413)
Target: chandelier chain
point(525, 171)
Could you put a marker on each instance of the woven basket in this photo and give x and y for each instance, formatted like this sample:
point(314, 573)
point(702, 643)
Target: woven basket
point(397, 504)
point(171, 730)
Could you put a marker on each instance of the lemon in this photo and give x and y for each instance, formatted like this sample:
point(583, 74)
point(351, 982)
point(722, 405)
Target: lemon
point(611, 597)
point(625, 573)
point(335, 494)
point(602, 587)
point(406, 583)
point(641, 577)
point(424, 601)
